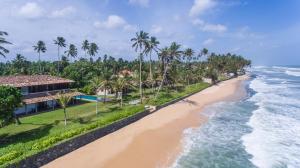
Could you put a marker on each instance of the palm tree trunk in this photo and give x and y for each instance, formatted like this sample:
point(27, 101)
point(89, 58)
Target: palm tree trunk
point(65, 113)
point(151, 76)
point(161, 84)
point(141, 92)
point(58, 61)
point(40, 67)
point(121, 99)
point(104, 96)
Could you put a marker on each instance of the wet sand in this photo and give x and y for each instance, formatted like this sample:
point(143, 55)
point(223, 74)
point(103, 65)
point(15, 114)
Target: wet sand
point(153, 141)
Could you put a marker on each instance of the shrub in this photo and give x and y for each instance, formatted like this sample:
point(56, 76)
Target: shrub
point(9, 156)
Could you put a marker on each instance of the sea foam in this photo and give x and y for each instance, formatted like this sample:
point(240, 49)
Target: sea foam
point(275, 139)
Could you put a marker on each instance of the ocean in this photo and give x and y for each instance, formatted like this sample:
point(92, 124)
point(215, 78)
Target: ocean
point(261, 130)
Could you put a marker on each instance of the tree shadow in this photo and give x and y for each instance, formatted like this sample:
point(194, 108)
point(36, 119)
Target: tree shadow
point(190, 102)
point(23, 137)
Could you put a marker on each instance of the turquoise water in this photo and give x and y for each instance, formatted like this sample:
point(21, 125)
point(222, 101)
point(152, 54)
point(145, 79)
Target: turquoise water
point(87, 97)
point(262, 130)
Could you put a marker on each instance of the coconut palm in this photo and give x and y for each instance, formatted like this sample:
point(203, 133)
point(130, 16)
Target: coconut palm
point(40, 47)
point(3, 50)
point(140, 41)
point(61, 43)
point(63, 100)
point(151, 46)
point(85, 47)
point(188, 55)
point(105, 84)
point(72, 51)
point(203, 52)
point(93, 50)
point(119, 84)
point(169, 55)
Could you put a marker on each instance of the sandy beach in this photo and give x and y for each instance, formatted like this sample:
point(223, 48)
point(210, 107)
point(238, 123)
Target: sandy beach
point(153, 141)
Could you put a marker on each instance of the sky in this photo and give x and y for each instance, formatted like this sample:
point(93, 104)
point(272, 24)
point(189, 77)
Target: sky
point(267, 32)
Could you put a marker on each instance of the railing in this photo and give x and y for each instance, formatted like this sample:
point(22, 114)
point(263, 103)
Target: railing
point(45, 93)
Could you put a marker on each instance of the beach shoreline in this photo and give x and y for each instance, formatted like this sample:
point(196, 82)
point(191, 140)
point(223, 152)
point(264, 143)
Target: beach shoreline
point(149, 141)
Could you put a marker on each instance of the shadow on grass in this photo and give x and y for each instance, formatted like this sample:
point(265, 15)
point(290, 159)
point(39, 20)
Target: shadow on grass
point(23, 137)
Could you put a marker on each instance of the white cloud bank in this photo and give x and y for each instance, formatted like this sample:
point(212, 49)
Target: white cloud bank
point(64, 12)
point(200, 6)
point(208, 27)
point(31, 10)
point(114, 22)
point(208, 42)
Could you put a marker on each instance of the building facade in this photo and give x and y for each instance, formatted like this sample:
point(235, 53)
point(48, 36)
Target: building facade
point(39, 91)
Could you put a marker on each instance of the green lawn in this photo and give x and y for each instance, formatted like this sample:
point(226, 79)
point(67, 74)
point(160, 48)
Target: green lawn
point(39, 132)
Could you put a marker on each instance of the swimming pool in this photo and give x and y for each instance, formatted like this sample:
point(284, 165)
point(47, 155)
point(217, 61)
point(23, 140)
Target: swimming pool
point(89, 98)
point(92, 98)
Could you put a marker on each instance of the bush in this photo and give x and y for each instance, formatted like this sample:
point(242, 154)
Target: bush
point(8, 157)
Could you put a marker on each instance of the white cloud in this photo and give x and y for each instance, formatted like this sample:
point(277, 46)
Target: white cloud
point(115, 22)
point(130, 28)
point(155, 29)
point(31, 10)
point(67, 11)
point(200, 6)
point(112, 22)
point(208, 27)
point(143, 3)
point(208, 41)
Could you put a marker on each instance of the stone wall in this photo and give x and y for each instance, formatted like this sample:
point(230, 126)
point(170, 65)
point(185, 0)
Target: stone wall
point(61, 149)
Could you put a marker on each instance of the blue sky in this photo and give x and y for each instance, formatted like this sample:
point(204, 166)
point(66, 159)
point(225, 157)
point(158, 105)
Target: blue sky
point(267, 32)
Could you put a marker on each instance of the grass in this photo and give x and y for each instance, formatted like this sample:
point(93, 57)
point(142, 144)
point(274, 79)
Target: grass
point(39, 132)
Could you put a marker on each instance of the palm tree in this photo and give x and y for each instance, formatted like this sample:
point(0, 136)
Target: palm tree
point(3, 50)
point(188, 54)
point(60, 42)
point(140, 41)
point(169, 55)
point(151, 45)
point(85, 47)
point(63, 100)
point(93, 50)
point(72, 51)
point(203, 52)
point(106, 85)
point(40, 47)
point(120, 84)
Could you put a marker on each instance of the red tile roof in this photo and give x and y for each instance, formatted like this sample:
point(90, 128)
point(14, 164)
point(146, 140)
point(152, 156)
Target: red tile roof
point(31, 80)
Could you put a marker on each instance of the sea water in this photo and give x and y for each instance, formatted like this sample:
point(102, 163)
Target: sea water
point(261, 130)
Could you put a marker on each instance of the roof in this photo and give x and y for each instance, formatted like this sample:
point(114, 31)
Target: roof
point(31, 80)
point(42, 97)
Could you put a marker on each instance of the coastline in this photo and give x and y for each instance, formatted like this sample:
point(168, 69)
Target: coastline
point(149, 141)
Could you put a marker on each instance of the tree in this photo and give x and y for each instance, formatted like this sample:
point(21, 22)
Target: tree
point(106, 85)
point(63, 100)
point(3, 50)
point(85, 47)
point(40, 47)
point(140, 41)
point(188, 55)
point(203, 52)
point(72, 51)
point(120, 84)
point(10, 99)
point(93, 50)
point(151, 46)
point(169, 55)
point(20, 65)
point(60, 42)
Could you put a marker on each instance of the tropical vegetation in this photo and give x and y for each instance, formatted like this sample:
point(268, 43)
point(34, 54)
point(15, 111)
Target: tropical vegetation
point(156, 76)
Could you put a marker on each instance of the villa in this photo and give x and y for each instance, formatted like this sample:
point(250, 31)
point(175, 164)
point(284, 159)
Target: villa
point(39, 91)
